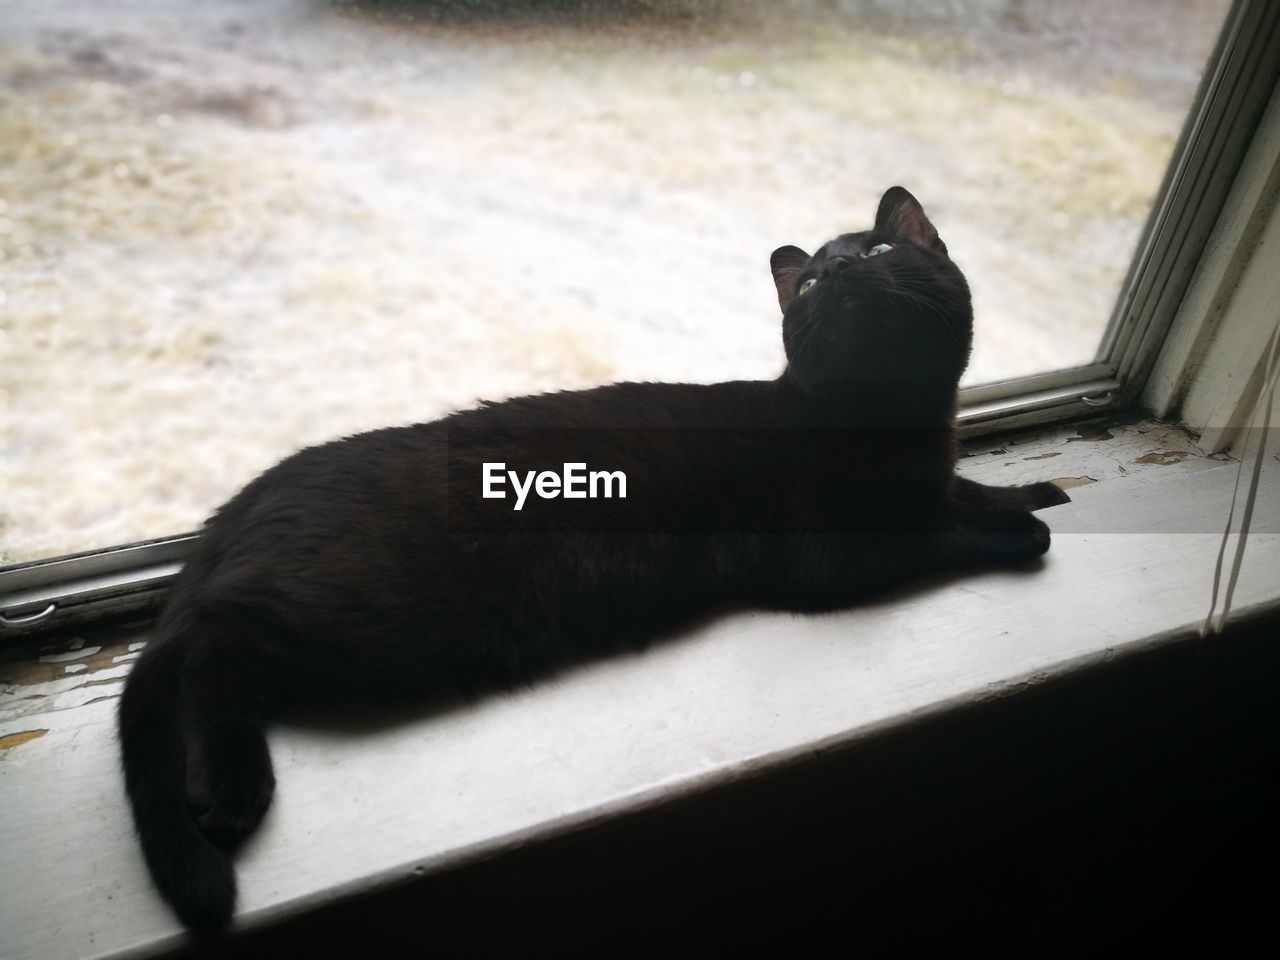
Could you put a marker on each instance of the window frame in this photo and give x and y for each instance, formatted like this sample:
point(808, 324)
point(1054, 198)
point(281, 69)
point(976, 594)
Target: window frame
point(1237, 84)
point(1241, 75)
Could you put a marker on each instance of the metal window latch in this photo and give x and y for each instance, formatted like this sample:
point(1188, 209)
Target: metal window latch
point(26, 620)
point(1099, 399)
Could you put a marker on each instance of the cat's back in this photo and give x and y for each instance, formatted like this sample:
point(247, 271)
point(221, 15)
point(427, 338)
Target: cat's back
point(407, 463)
point(392, 487)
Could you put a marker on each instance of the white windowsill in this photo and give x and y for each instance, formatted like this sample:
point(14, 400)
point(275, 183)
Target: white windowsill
point(1130, 567)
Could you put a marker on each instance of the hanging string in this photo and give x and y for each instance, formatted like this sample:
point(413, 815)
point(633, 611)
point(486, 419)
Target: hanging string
point(1266, 400)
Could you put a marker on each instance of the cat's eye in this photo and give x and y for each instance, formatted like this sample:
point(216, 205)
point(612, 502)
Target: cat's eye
point(804, 287)
point(878, 249)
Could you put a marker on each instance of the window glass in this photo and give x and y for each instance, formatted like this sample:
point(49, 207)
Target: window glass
point(230, 229)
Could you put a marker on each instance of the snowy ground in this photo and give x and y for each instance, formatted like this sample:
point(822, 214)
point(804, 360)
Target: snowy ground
point(236, 227)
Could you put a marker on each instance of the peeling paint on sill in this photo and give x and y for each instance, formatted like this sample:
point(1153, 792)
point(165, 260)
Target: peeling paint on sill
point(1164, 458)
point(46, 698)
point(1066, 483)
point(75, 653)
point(1081, 450)
point(12, 740)
point(37, 681)
point(1091, 433)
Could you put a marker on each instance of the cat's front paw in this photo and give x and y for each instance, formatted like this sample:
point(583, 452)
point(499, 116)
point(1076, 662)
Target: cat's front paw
point(1046, 494)
point(1017, 535)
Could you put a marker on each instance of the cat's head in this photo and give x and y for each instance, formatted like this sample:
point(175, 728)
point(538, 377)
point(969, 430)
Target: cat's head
point(883, 310)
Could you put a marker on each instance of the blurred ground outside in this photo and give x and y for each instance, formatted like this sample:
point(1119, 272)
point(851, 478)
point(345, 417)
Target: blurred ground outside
point(235, 228)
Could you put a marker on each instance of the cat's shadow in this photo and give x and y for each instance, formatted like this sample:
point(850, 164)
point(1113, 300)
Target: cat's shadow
point(371, 716)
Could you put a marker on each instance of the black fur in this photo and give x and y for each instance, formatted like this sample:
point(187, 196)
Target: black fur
point(371, 565)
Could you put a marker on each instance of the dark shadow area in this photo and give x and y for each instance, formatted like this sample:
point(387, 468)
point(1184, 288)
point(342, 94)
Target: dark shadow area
point(367, 712)
point(1132, 805)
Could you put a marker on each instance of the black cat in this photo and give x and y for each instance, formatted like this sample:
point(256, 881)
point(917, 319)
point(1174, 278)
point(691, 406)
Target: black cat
point(376, 565)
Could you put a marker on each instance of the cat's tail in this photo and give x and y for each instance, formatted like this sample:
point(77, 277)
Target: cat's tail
point(160, 715)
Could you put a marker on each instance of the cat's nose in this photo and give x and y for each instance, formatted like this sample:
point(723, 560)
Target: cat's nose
point(834, 267)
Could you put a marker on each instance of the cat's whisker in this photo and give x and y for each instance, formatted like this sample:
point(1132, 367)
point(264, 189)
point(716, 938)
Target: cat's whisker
point(794, 334)
point(799, 338)
point(928, 304)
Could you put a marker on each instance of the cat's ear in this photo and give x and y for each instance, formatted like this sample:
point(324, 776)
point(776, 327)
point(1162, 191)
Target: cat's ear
point(787, 263)
point(901, 214)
